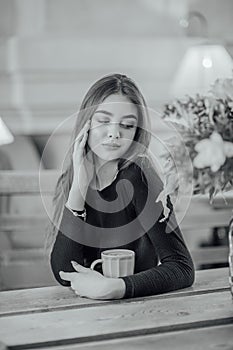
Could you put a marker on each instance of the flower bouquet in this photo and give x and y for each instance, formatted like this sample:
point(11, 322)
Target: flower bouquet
point(206, 126)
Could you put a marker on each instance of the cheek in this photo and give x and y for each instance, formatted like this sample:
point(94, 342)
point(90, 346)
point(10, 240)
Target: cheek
point(94, 137)
point(129, 139)
point(127, 144)
point(129, 135)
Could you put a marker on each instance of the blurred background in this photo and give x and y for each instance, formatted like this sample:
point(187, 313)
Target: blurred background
point(51, 51)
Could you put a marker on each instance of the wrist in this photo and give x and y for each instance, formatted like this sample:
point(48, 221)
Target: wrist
point(118, 288)
point(77, 189)
point(76, 199)
point(79, 213)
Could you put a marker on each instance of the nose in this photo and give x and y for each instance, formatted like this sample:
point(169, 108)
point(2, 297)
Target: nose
point(113, 131)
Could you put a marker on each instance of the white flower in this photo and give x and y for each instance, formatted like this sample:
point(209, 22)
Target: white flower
point(212, 152)
point(228, 149)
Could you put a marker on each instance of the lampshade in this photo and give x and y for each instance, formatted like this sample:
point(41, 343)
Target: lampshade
point(199, 68)
point(5, 134)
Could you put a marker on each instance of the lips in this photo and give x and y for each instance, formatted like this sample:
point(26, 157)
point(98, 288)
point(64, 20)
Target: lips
point(111, 144)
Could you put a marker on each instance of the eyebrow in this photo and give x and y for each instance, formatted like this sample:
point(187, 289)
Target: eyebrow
point(110, 114)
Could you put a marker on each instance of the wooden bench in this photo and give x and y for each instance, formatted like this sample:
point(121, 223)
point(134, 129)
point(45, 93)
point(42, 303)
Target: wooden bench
point(27, 267)
point(23, 267)
point(198, 224)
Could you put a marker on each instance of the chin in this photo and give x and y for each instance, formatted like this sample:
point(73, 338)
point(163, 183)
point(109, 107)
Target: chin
point(107, 156)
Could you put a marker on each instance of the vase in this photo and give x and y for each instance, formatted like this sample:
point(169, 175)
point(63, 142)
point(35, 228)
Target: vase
point(230, 236)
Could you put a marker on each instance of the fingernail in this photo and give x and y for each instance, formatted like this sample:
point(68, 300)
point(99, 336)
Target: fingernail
point(73, 262)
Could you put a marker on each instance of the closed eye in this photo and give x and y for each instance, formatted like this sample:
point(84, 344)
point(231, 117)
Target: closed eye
point(128, 126)
point(125, 126)
point(105, 121)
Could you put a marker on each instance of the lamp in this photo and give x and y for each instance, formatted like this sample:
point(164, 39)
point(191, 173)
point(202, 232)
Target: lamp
point(5, 134)
point(199, 68)
point(202, 64)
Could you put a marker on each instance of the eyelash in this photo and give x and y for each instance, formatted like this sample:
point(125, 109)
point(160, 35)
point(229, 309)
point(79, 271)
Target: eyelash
point(125, 126)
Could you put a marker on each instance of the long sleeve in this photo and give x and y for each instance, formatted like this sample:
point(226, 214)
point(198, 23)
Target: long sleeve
point(65, 249)
point(83, 241)
point(175, 270)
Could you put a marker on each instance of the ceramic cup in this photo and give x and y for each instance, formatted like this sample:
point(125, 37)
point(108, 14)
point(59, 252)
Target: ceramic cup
point(116, 262)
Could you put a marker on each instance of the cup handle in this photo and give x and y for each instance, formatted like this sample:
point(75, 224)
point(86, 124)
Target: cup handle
point(98, 261)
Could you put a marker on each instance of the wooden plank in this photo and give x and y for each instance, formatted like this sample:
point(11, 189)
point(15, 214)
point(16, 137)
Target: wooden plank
point(58, 297)
point(210, 255)
point(208, 217)
point(28, 182)
point(24, 268)
point(201, 214)
point(208, 338)
point(11, 222)
point(25, 275)
point(210, 280)
point(10, 256)
point(110, 321)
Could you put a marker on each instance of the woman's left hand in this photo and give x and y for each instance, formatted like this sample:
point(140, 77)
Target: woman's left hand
point(92, 284)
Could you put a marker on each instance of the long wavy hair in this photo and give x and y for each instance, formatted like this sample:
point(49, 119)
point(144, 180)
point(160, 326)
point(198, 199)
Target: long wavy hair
point(98, 92)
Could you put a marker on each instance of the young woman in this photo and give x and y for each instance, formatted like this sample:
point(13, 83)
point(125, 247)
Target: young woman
point(106, 199)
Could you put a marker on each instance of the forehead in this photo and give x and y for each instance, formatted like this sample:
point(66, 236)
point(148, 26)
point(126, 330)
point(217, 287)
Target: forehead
point(118, 105)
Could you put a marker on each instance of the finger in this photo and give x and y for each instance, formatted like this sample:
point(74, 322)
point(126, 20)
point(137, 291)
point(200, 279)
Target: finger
point(79, 268)
point(80, 144)
point(84, 140)
point(82, 133)
point(85, 128)
point(79, 137)
point(78, 140)
point(66, 276)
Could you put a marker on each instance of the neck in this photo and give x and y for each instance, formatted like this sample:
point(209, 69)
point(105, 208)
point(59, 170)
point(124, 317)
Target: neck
point(104, 164)
point(105, 170)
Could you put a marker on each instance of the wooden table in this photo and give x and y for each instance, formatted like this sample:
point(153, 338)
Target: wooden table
point(200, 317)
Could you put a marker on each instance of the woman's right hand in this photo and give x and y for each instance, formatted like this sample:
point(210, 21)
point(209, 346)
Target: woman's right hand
point(83, 165)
